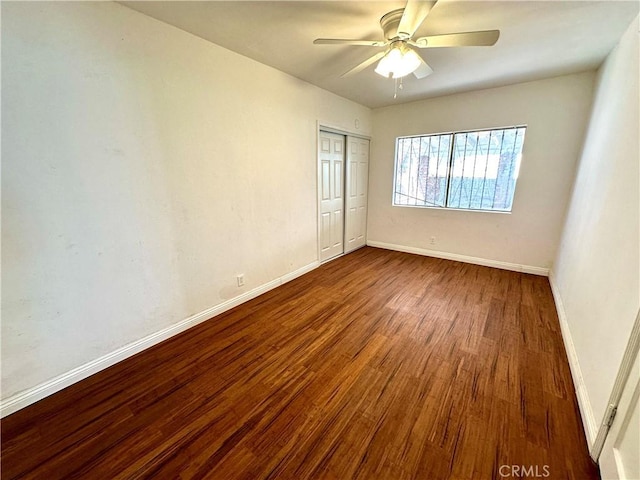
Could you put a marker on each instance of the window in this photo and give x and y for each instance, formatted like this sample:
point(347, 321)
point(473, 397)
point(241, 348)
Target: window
point(474, 170)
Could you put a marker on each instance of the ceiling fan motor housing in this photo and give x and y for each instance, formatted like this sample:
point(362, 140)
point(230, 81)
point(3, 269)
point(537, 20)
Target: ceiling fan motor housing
point(390, 22)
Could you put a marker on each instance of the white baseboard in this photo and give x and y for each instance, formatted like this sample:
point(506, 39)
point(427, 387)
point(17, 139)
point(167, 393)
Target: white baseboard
point(462, 258)
point(32, 395)
point(586, 412)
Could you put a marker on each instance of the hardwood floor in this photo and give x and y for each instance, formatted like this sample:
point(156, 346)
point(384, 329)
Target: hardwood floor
point(377, 365)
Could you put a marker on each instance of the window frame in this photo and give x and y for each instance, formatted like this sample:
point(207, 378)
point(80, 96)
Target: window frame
point(453, 133)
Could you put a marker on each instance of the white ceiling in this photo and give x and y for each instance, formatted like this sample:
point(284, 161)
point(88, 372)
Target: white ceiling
point(538, 39)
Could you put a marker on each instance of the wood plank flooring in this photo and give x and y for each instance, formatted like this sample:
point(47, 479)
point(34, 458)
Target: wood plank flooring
point(377, 365)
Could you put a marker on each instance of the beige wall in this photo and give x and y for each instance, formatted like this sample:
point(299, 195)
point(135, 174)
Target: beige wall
point(556, 112)
point(143, 168)
point(597, 270)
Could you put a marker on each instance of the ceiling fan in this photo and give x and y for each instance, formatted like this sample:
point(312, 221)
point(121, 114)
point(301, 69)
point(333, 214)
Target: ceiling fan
point(400, 58)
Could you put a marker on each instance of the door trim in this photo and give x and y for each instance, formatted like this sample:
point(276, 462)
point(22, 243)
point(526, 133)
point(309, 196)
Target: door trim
point(327, 127)
point(626, 365)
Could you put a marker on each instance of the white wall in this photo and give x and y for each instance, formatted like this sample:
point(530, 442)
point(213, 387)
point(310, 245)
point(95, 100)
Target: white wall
point(596, 274)
point(143, 168)
point(556, 112)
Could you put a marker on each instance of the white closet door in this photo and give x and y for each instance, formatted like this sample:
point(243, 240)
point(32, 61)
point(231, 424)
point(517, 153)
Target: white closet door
point(356, 193)
point(331, 185)
point(620, 458)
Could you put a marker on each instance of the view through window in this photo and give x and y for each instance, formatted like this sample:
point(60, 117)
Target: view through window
point(475, 170)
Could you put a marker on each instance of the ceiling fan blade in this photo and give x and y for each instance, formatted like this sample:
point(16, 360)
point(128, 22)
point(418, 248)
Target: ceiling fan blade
point(423, 70)
point(484, 38)
point(414, 14)
point(365, 64)
point(346, 41)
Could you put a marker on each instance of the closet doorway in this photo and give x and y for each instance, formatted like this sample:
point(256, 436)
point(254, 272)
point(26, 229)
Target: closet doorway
point(343, 175)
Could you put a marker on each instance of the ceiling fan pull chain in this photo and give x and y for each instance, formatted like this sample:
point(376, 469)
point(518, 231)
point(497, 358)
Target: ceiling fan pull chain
point(397, 86)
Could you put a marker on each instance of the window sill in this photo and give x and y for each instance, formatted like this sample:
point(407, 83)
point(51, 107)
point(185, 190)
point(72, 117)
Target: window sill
point(449, 209)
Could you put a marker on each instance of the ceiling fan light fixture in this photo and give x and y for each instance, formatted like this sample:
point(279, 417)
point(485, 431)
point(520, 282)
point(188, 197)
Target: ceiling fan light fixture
point(398, 62)
point(399, 26)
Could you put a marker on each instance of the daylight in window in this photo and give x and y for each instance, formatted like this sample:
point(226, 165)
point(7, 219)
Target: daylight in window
point(474, 170)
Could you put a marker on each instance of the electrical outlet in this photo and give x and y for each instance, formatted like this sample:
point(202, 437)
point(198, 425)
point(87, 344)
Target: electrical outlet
point(240, 279)
point(432, 241)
